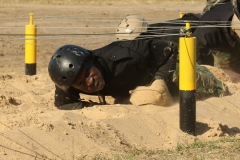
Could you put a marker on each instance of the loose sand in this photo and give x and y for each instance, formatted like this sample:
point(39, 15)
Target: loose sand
point(30, 125)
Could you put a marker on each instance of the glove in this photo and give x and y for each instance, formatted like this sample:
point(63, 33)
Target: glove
point(157, 94)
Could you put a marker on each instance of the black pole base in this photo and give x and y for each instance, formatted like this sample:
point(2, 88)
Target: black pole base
point(30, 69)
point(188, 111)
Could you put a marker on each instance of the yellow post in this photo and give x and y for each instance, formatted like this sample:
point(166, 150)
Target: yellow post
point(187, 81)
point(181, 14)
point(187, 55)
point(30, 47)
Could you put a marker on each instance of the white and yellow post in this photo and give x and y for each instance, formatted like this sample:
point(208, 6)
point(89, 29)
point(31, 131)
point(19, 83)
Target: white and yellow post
point(187, 81)
point(30, 47)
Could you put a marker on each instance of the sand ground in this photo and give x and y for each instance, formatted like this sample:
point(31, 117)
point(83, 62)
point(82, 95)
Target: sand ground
point(31, 127)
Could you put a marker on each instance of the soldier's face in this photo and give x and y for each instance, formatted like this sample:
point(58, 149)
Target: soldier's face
point(89, 79)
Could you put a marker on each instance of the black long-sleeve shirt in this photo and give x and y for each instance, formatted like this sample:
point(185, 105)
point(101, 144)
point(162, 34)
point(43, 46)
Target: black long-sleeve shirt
point(126, 65)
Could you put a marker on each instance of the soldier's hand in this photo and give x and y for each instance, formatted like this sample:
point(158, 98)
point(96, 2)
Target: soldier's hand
point(157, 94)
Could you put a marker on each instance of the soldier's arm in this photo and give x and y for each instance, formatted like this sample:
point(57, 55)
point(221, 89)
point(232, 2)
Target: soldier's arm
point(169, 51)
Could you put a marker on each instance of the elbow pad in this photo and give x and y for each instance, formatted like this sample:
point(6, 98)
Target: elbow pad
point(73, 106)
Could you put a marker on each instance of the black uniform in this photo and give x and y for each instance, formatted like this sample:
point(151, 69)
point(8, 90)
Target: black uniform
point(213, 37)
point(170, 30)
point(126, 65)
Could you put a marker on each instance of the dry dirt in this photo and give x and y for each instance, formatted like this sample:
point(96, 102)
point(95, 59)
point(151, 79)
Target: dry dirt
point(31, 127)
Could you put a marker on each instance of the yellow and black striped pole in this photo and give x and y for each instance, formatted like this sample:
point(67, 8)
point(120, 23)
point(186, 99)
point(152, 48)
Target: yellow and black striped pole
point(187, 81)
point(30, 47)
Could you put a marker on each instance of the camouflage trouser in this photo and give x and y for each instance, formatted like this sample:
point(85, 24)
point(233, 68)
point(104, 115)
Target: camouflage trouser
point(227, 59)
point(207, 84)
point(212, 3)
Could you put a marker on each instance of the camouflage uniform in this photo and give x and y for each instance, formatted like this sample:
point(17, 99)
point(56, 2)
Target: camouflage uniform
point(227, 59)
point(212, 3)
point(207, 84)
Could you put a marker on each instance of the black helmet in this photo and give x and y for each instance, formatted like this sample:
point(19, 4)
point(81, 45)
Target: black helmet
point(236, 7)
point(65, 64)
